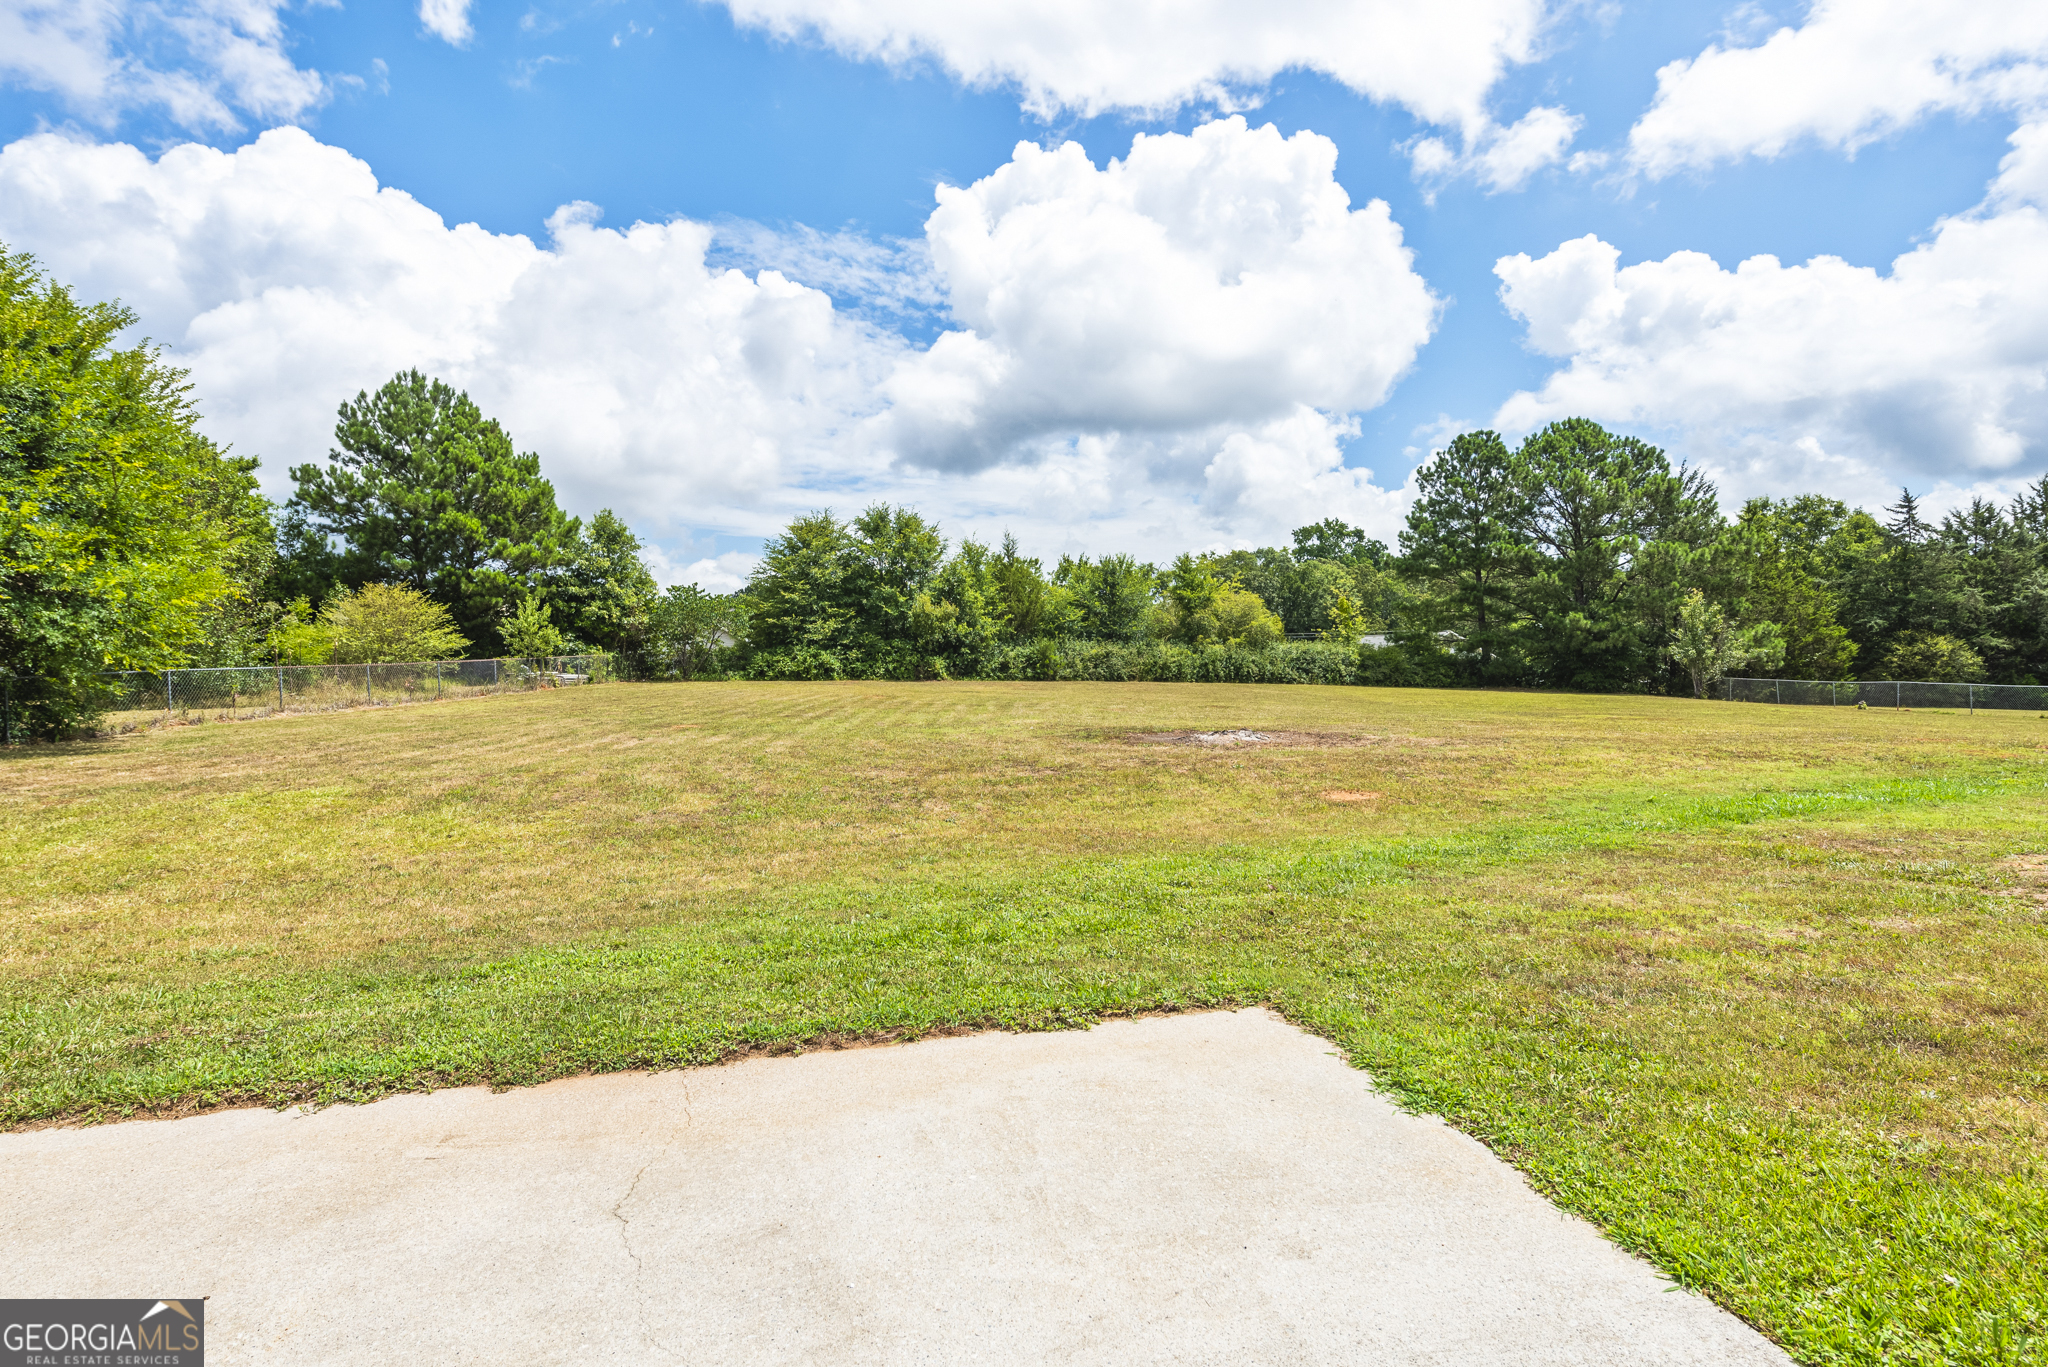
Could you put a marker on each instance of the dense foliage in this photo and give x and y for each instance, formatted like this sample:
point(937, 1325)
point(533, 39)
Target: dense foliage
point(1579, 559)
point(382, 622)
point(128, 540)
point(427, 492)
point(122, 530)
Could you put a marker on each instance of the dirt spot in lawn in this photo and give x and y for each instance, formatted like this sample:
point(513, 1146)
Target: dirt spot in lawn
point(1343, 795)
point(1225, 740)
point(2030, 876)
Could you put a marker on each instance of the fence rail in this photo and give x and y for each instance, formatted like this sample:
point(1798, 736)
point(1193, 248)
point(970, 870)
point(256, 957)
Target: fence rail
point(1897, 693)
point(137, 698)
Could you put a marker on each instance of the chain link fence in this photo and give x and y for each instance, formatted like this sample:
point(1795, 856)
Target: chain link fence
point(1896, 693)
point(136, 698)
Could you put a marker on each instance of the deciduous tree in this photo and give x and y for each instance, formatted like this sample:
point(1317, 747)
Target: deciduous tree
point(1707, 645)
point(1112, 596)
point(119, 522)
point(605, 595)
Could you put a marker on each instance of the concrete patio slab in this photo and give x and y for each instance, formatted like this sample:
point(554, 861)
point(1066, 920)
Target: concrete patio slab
point(1204, 1188)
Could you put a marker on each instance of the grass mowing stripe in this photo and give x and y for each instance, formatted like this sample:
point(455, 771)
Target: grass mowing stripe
point(1787, 1041)
point(793, 929)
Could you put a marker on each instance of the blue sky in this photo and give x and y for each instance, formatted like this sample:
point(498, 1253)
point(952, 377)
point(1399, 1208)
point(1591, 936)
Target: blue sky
point(669, 113)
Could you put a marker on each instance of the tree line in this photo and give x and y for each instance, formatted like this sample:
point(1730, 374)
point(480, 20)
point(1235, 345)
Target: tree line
point(130, 541)
point(1579, 559)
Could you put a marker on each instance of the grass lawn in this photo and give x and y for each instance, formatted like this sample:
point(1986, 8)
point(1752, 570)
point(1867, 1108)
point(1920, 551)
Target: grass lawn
point(1762, 991)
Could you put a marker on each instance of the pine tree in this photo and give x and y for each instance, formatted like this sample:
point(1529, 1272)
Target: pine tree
point(1906, 524)
point(426, 491)
point(1619, 534)
point(1464, 532)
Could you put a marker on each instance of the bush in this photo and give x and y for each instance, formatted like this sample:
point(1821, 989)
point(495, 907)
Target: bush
point(530, 632)
point(297, 638)
point(1402, 667)
point(1941, 659)
point(803, 662)
point(1295, 662)
point(379, 623)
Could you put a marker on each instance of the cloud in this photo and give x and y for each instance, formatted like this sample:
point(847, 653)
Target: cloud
point(1290, 472)
point(286, 279)
point(447, 20)
point(1854, 72)
point(712, 573)
point(1500, 158)
point(1823, 373)
point(1159, 493)
point(1087, 58)
point(890, 278)
point(1218, 277)
point(199, 61)
point(527, 68)
point(1177, 339)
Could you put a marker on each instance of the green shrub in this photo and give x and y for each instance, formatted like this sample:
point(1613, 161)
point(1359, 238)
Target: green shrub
point(1924, 655)
point(1308, 662)
point(383, 622)
point(1395, 666)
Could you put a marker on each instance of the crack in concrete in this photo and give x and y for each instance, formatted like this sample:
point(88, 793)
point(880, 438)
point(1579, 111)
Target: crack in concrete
point(618, 1212)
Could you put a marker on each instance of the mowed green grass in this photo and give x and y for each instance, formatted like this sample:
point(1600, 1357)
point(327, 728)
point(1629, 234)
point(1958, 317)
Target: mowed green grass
point(1762, 991)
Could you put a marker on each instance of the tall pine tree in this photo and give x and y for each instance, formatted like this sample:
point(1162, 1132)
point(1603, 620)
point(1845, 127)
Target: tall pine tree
point(425, 491)
point(1464, 534)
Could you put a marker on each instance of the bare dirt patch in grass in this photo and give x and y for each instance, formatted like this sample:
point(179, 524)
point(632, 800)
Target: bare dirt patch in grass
point(1226, 740)
point(2029, 873)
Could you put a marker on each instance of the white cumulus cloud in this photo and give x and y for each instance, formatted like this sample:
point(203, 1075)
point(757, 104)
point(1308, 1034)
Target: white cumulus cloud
point(199, 61)
point(286, 279)
point(1822, 374)
point(447, 20)
point(1855, 71)
point(1161, 352)
point(712, 573)
point(1085, 57)
point(1215, 277)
